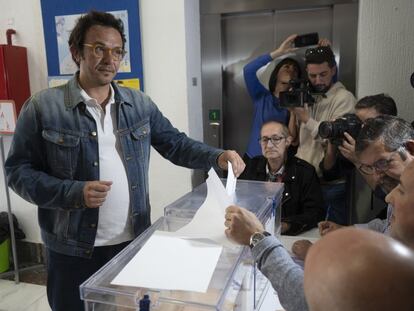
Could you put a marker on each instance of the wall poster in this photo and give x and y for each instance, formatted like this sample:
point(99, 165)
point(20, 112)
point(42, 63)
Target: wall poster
point(59, 18)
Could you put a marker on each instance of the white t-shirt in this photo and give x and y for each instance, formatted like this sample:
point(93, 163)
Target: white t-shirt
point(114, 224)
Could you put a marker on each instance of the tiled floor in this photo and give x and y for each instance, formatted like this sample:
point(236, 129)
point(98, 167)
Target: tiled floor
point(22, 297)
point(29, 294)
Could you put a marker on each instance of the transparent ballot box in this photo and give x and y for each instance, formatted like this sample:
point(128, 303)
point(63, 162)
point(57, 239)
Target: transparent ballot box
point(257, 196)
point(235, 283)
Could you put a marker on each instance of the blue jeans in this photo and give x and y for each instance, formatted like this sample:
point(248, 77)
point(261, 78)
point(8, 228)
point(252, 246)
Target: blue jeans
point(336, 206)
point(66, 273)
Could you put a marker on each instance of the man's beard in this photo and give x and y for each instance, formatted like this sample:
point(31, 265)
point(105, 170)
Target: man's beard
point(320, 88)
point(388, 183)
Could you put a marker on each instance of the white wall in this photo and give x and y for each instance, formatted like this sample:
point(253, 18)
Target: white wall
point(26, 18)
point(167, 78)
point(386, 51)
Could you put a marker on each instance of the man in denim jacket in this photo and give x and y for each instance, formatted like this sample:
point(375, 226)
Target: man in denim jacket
point(81, 153)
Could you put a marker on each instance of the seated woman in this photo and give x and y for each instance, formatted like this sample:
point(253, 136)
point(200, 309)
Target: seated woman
point(302, 203)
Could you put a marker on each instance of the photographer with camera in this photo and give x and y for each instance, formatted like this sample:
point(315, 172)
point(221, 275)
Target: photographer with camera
point(332, 102)
point(384, 148)
point(266, 101)
point(342, 135)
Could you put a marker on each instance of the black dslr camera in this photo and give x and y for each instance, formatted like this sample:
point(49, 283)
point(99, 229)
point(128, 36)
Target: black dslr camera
point(300, 92)
point(334, 130)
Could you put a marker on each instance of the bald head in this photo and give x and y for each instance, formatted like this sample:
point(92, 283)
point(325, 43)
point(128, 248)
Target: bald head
point(402, 200)
point(355, 269)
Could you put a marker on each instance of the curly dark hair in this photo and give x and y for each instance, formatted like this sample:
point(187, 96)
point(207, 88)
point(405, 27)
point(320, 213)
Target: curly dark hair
point(319, 55)
point(85, 22)
point(382, 103)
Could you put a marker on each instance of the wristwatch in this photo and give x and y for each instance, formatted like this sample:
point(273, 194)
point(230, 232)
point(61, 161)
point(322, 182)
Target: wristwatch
point(257, 237)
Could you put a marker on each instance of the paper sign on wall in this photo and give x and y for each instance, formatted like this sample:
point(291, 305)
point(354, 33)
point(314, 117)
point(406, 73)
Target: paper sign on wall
point(7, 116)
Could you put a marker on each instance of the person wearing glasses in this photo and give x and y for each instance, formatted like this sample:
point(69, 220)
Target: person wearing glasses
point(266, 100)
point(384, 147)
point(302, 203)
point(341, 160)
point(334, 101)
point(81, 154)
point(366, 108)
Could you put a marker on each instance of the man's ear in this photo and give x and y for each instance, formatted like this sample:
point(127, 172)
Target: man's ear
point(76, 55)
point(288, 140)
point(334, 70)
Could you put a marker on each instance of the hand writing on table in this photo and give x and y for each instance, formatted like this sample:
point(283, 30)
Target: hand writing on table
point(327, 226)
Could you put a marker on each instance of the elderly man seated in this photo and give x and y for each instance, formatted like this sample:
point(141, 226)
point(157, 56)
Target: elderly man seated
point(302, 203)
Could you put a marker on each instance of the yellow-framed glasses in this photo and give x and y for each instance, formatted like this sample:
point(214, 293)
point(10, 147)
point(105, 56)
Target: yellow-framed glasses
point(117, 53)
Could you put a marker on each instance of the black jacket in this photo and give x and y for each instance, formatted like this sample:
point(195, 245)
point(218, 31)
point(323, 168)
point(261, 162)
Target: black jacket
point(302, 202)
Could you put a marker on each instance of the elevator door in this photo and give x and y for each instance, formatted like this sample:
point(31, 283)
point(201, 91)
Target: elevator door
point(246, 36)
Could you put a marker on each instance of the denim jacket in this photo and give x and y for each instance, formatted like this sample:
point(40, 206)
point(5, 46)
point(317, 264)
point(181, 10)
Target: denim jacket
point(55, 151)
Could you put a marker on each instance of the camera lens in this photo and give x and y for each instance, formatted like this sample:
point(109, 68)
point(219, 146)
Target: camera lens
point(325, 129)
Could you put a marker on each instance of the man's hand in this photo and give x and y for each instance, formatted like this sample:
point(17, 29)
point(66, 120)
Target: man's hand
point(241, 224)
point(285, 47)
point(300, 248)
point(327, 226)
point(348, 148)
point(302, 113)
point(95, 192)
point(235, 160)
point(324, 42)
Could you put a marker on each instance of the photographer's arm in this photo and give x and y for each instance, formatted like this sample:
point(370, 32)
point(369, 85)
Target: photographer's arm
point(330, 157)
point(332, 165)
point(285, 47)
point(310, 124)
point(253, 84)
point(348, 151)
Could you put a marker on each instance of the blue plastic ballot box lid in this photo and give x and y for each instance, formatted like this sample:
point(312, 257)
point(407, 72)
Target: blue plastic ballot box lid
point(234, 266)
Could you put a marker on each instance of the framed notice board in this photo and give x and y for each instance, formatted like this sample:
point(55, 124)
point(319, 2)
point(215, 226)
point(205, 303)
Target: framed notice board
point(59, 18)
